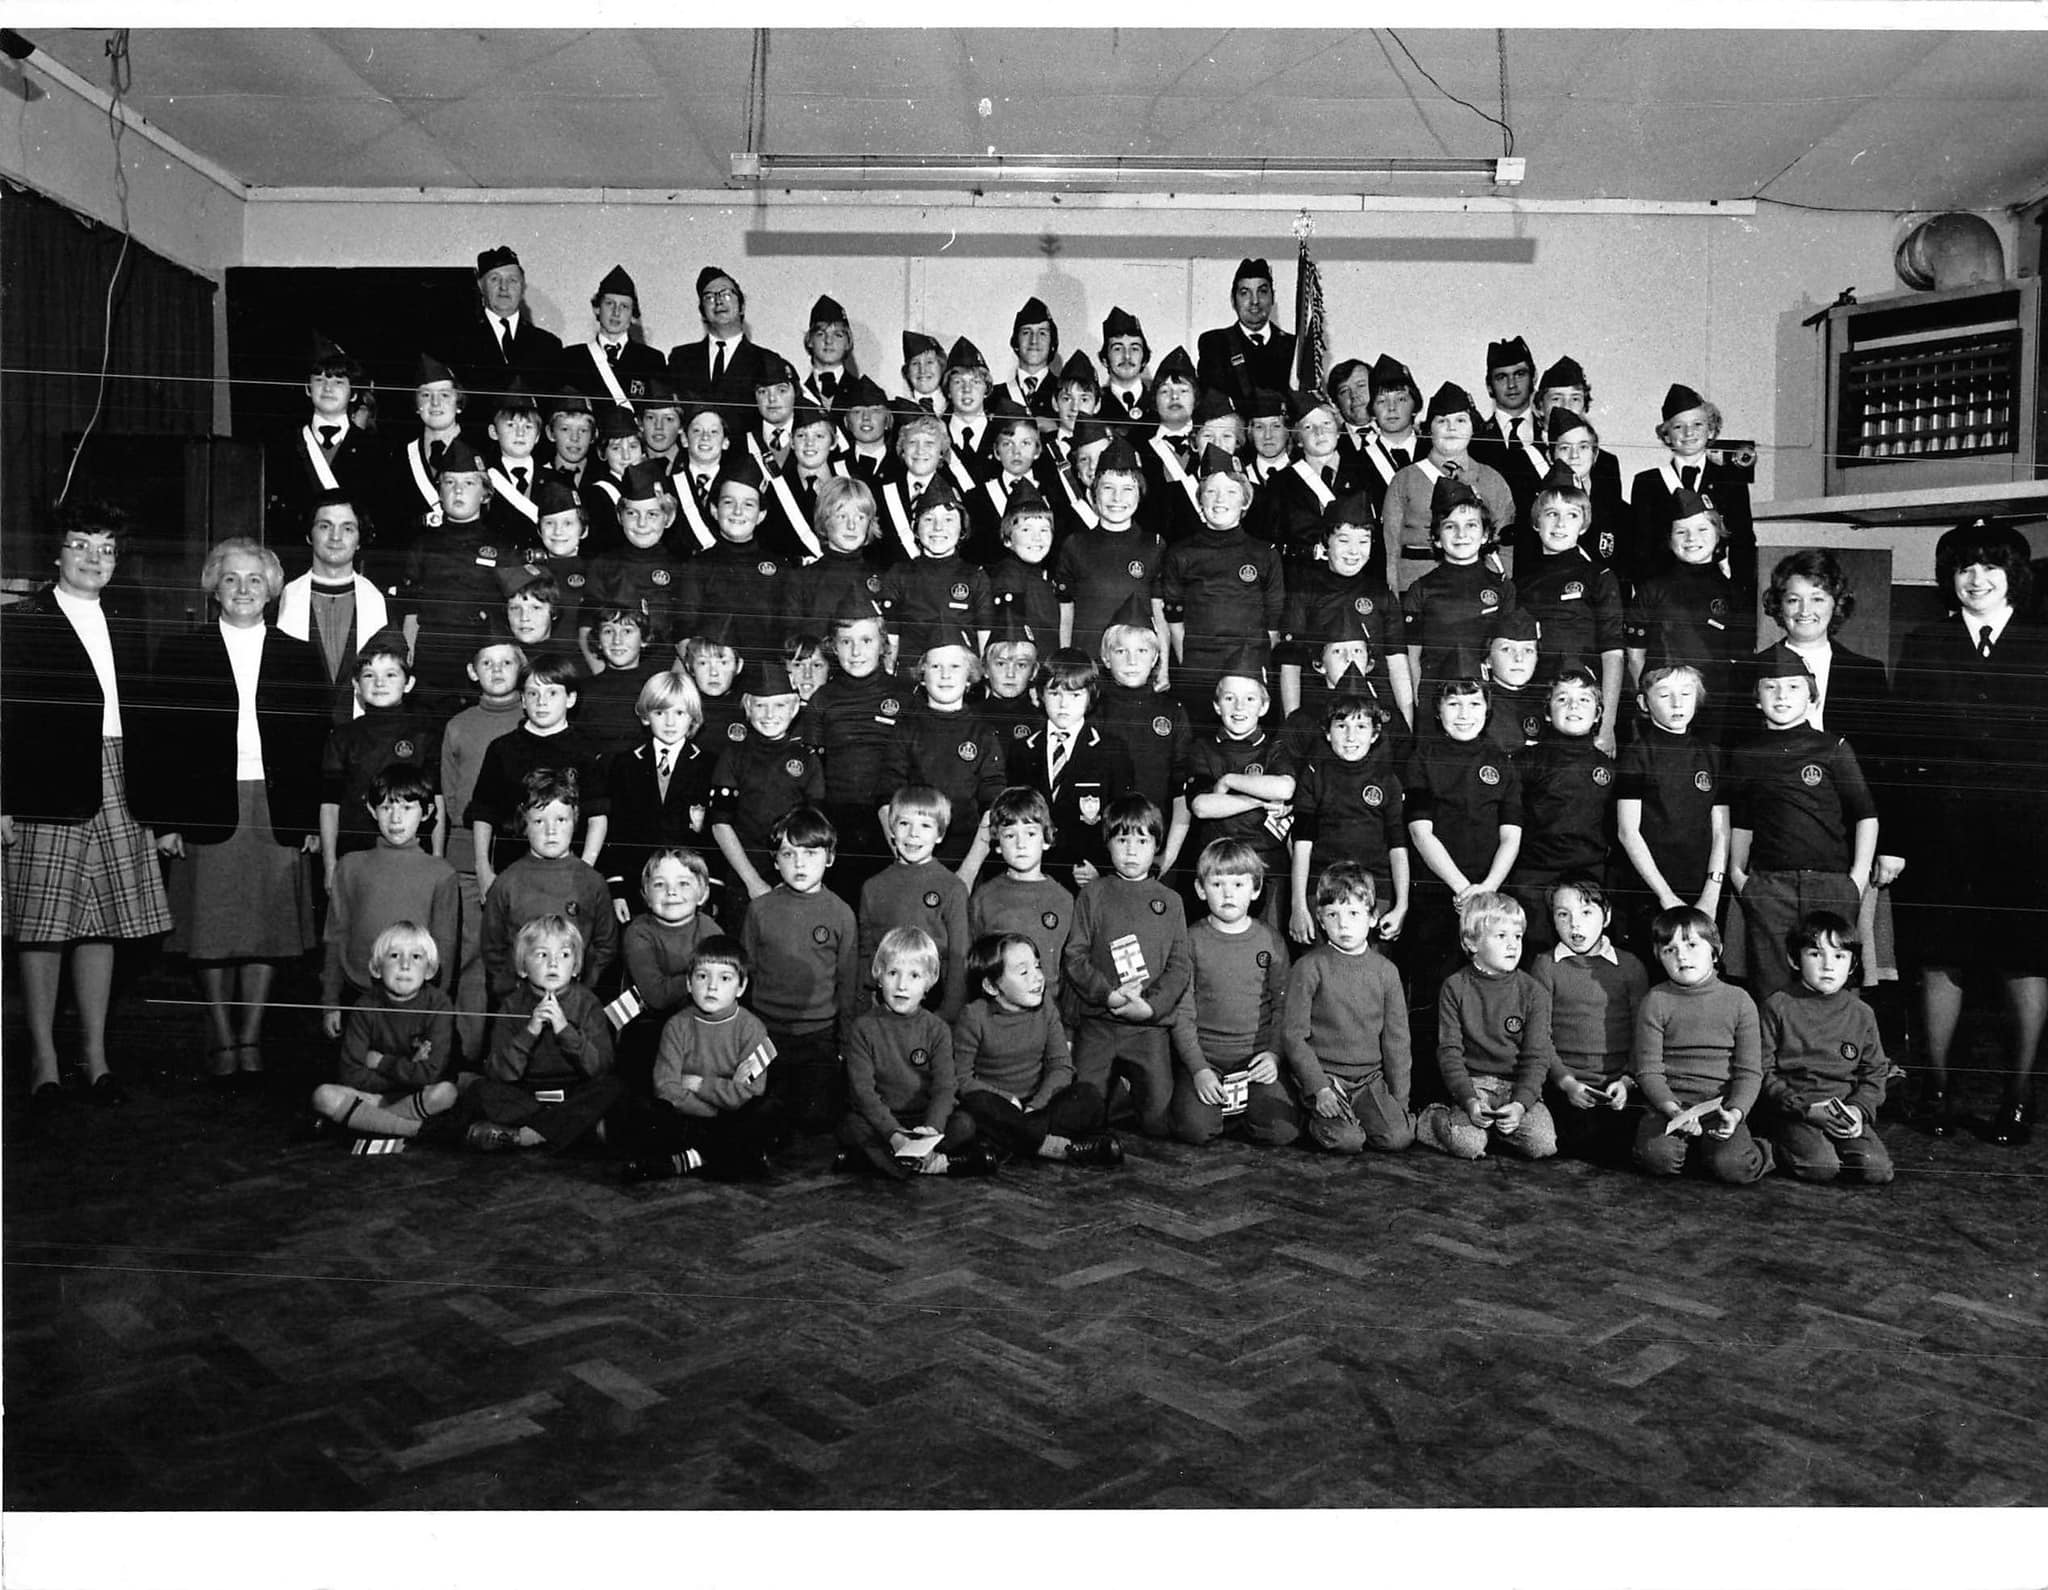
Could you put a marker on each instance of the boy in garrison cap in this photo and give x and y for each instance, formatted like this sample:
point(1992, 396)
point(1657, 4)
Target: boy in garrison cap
point(1690, 424)
point(1125, 354)
point(1077, 396)
point(513, 434)
point(1012, 447)
point(501, 340)
point(411, 496)
point(612, 366)
point(865, 421)
point(326, 452)
point(738, 575)
point(1252, 352)
point(1393, 443)
point(720, 365)
point(1511, 441)
point(644, 571)
point(924, 375)
point(1407, 518)
point(1270, 438)
point(967, 425)
point(1035, 339)
point(774, 407)
point(1220, 590)
point(453, 585)
point(1564, 394)
point(829, 342)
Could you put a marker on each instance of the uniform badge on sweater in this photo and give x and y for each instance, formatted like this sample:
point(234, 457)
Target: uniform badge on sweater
point(1489, 774)
point(1810, 775)
point(1362, 607)
point(920, 1058)
point(1703, 781)
point(1091, 809)
point(1373, 795)
point(1265, 959)
point(1248, 572)
point(1850, 1051)
point(820, 934)
point(891, 706)
point(765, 569)
point(403, 750)
point(1135, 569)
point(1162, 726)
point(794, 767)
point(735, 732)
point(967, 750)
point(659, 576)
point(1489, 598)
point(1513, 1025)
point(1603, 776)
point(1049, 920)
point(931, 899)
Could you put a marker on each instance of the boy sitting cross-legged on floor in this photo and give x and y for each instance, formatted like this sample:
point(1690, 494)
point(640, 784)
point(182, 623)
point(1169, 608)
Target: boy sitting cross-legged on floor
point(396, 1045)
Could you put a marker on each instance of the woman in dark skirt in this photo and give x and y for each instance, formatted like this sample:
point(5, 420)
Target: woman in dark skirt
point(238, 719)
point(81, 872)
point(1971, 700)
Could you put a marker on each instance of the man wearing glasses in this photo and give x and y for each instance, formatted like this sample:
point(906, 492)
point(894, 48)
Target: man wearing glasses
point(722, 366)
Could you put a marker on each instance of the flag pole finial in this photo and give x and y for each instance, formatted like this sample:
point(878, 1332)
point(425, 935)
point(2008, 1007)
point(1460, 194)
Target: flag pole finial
point(1304, 226)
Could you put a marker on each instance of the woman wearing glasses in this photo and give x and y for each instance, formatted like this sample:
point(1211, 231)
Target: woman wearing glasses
point(81, 873)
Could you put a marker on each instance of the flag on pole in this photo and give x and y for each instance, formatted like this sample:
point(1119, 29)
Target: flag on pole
point(1312, 349)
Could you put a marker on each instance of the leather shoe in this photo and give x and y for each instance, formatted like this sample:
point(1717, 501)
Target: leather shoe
point(488, 1137)
point(2012, 1126)
point(973, 1160)
point(46, 1096)
point(106, 1090)
point(1104, 1148)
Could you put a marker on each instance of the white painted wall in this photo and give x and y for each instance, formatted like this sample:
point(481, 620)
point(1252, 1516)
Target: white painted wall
point(1640, 301)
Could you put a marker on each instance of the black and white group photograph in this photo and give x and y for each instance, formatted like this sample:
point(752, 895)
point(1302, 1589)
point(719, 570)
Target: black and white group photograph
point(1142, 764)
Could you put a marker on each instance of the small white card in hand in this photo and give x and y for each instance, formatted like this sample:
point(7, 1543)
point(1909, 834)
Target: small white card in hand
point(1237, 1092)
point(755, 1065)
point(624, 1008)
point(1691, 1117)
point(920, 1143)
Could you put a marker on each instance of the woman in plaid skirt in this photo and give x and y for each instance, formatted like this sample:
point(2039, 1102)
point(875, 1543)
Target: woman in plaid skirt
point(80, 872)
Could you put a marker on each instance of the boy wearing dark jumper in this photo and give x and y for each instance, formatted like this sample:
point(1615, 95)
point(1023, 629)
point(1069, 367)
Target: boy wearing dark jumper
point(1803, 828)
point(548, 1078)
point(1697, 1059)
point(1241, 778)
point(548, 881)
point(390, 733)
point(1227, 1032)
point(1345, 1026)
point(1567, 800)
point(712, 1110)
point(1348, 807)
point(398, 1041)
point(758, 782)
point(1823, 1062)
point(1128, 967)
point(1671, 805)
point(804, 946)
point(1493, 1042)
point(544, 742)
point(1595, 991)
point(657, 947)
point(395, 882)
point(917, 892)
point(1010, 1058)
point(899, 1075)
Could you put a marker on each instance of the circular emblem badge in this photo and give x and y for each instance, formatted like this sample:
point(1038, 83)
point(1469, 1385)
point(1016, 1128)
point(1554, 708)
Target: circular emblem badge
point(487, 552)
point(931, 899)
point(1373, 795)
point(1718, 608)
point(1162, 726)
point(1135, 569)
point(960, 592)
point(1249, 573)
point(874, 582)
point(1489, 774)
point(573, 581)
point(794, 767)
point(1021, 731)
point(765, 568)
point(432, 517)
point(1159, 908)
point(920, 1058)
point(820, 934)
point(1363, 607)
point(1573, 591)
point(659, 576)
point(1531, 726)
point(1265, 957)
point(1850, 1051)
point(735, 731)
point(1513, 1025)
point(891, 706)
point(1703, 781)
point(1049, 920)
point(1603, 776)
point(967, 750)
point(403, 750)
point(1489, 598)
point(1810, 774)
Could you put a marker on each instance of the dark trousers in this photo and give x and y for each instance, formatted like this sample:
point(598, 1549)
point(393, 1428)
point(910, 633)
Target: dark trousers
point(1737, 1159)
point(807, 1079)
point(733, 1142)
point(1074, 1111)
point(871, 1149)
point(1772, 904)
point(1268, 1119)
point(583, 1105)
point(1103, 1046)
point(1599, 1134)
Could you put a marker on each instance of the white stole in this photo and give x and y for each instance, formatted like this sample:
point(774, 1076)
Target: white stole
point(501, 483)
point(318, 459)
point(1083, 511)
point(803, 532)
point(607, 374)
point(899, 516)
point(686, 505)
point(1312, 477)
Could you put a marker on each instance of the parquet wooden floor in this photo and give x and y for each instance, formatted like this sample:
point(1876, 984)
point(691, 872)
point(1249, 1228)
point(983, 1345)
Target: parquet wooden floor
point(202, 1313)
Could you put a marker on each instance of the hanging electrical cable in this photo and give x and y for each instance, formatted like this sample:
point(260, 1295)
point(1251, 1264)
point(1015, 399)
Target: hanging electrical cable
point(1500, 121)
point(121, 75)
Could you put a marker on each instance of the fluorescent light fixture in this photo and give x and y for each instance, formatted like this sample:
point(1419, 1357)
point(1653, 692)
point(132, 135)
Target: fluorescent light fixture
point(1104, 172)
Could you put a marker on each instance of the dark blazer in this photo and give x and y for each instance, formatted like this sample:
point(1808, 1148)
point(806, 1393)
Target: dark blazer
point(578, 371)
point(641, 822)
point(51, 706)
point(1226, 360)
point(689, 367)
point(1650, 504)
point(481, 363)
point(362, 467)
point(1098, 770)
point(186, 783)
point(1490, 446)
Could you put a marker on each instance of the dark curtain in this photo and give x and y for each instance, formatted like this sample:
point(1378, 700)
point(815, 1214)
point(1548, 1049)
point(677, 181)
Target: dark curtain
point(54, 269)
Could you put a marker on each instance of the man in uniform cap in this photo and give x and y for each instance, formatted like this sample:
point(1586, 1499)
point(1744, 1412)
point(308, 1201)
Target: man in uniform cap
point(1125, 353)
point(720, 365)
point(501, 340)
point(611, 366)
point(1250, 353)
point(829, 342)
point(1511, 442)
point(1035, 339)
point(1350, 388)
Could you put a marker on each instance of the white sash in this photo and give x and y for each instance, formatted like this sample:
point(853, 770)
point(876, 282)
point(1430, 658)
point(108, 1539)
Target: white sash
point(610, 488)
point(318, 459)
point(607, 374)
point(686, 505)
point(1377, 446)
point(963, 475)
point(994, 487)
point(803, 532)
point(1085, 512)
point(424, 481)
point(1536, 459)
point(899, 516)
point(501, 483)
point(760, 457)
point(1174, 469)
point(1312, 477)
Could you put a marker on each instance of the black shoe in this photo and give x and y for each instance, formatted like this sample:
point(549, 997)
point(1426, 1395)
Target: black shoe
point(488, 1137)
point(660, 1167)
point(1104, 1148)
point(45, 1097)
point(2012, 1126)
point(973, 1160)
point(106, 1090)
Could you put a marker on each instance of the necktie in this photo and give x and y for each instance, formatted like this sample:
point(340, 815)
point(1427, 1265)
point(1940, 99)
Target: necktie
point(327, 436)
point(828, 384)
point(664, 765)
point(775, 440)
point(505, 339)
point(519, 479)
point(703, 485)
point(611, 352)
point(1131, 404)
point(1329, 475)
point(1030, 385)
point(1056, 762)
point(810, 483)
point(435, 452)
point(1399, 455)
point(1514, 432)
point(1984, 641)
point(1450, 467)
point(1690, 477)
point(718, 364)
point(967, 439)
point(925, 403)
point(1582, 483)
